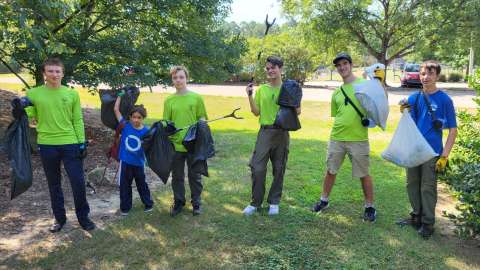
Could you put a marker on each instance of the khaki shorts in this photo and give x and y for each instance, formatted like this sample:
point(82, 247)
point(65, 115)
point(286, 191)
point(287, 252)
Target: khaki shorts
point(358, 152)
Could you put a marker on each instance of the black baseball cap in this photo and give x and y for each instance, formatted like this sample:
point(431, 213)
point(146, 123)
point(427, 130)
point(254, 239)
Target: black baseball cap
point(341, 56)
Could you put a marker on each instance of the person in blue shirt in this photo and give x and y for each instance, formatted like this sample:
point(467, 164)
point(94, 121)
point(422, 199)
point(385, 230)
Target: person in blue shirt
point(132, 158)
point(432, 110)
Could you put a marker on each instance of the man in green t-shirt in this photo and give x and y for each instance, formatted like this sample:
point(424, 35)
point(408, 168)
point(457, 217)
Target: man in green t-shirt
point(184, 108)
point(272, 141)
point(349, 137)
point(57, 114)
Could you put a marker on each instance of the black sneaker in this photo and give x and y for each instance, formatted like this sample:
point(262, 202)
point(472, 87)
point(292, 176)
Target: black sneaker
point(197, 210)
point(87, 224)
point(56, 227)
point(148, 209)
point(370, 214)
point(176, 209)
point(320, 206)
point(414, 220)
point(426, 231)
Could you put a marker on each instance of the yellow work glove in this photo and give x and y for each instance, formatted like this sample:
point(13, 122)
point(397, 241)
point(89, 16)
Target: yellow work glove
point(380, 74)
point(441, 164)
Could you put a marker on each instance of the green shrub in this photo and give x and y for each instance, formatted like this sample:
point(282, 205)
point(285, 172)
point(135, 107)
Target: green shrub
point(464, 172)
point(455, 77)
point(442, 78)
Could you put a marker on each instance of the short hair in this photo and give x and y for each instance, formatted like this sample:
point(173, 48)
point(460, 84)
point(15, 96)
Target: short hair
point(53, 61)
point(431, 65)
point(275, 60)
point(176, 69)
point(139, 109)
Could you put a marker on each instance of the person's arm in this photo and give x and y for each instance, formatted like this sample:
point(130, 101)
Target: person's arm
point(77, 119)
point(201, 111)
point(253, 105)
point(452, 135)
point(116, 108)
point(299, 110)
point(167, 113)
point(333, 106)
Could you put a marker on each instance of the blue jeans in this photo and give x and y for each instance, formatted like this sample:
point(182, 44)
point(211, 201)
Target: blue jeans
point(52, 156)
point(127, 174)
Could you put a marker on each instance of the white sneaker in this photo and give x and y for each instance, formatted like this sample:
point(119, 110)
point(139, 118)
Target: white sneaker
point(249, 210)
point(273, 210)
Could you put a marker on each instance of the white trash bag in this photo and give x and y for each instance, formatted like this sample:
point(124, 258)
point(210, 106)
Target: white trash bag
point(372, 97)
point(408, 147)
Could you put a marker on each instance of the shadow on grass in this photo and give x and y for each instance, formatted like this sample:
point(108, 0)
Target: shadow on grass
point(296, 239)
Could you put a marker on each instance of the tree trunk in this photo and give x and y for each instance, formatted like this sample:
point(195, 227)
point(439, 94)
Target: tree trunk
point(38, 75)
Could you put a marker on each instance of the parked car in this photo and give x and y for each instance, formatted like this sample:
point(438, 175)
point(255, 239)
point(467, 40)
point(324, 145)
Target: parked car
point(410, 75)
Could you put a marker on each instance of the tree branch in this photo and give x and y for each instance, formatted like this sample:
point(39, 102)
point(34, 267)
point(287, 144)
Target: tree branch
point(16, 74)
point(72, 16)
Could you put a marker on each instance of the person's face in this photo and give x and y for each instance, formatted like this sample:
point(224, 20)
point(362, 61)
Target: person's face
point(136, 119)
point(273, 71)
point(179, 79)
point(428, 76)
point(344, 68)
point(53, 74)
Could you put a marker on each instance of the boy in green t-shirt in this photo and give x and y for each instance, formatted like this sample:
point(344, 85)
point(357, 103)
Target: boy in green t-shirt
point(57, 114)
point(184, 108)
point(272, 141)
point(349, 137)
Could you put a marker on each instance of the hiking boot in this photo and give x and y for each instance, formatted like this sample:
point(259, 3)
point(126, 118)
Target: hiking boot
point(197, 210)
point(320, 206)
point(56, 227)
point(273, 210)
point(249, 210)
point(370, 214)
point(176, 209)
point(87, 224)
point(426, 230)
point(413, 220)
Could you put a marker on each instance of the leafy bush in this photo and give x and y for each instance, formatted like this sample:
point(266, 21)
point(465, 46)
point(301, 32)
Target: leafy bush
point(455, 77)
point(442, 78)
point(464, 173)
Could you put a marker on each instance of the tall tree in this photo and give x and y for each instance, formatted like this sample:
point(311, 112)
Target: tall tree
point(99, 38)
point(387, 29)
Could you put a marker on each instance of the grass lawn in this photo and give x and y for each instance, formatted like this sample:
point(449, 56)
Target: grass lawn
point(222, 238)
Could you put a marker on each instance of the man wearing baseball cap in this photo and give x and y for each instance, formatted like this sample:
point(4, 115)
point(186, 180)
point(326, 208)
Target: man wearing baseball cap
point(349, 136)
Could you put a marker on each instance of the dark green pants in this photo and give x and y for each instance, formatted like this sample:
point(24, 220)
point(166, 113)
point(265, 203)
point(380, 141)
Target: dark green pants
point(422, 190)
point(271, 144)
point(178, 180)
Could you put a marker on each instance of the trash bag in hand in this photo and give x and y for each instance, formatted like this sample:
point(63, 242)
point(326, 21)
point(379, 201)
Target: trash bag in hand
point(18, 148)
point(159, 150)
point(408, 147)
point(108, 97)
point(290, 94)
point(287, 119)
point(200, 146)
point(372, 97)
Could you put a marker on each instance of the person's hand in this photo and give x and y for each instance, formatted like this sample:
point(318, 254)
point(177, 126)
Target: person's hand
point(404, 105)
point(33, 123)
point(121, 93)
point(17, 108)
point(82, 147)
point(249, 89)
point(441, 164)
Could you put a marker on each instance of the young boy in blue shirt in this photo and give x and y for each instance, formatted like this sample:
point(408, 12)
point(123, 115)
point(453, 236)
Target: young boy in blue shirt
point(132, 158)
point(433, 111)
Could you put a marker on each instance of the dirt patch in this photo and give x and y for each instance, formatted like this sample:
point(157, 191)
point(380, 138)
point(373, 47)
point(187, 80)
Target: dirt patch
point(24, 221)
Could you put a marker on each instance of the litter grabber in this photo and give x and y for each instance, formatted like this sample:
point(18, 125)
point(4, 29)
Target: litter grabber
point(231, 115)
point(268, 25)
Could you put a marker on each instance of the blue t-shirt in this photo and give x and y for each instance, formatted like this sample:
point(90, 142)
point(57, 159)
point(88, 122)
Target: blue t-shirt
point(131, 150)
point(442, 107)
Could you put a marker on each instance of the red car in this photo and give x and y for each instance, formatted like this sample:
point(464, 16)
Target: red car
point(410, 75)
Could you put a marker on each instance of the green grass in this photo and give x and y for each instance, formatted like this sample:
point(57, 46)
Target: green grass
point(221, 238)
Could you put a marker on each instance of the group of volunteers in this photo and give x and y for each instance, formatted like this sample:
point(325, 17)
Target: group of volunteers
point(56, 111)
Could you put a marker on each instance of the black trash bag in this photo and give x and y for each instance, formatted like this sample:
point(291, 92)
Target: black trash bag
point(18, 148)
point(108, 97)
point(200, 147)
point(290, 94)
point(159, 150)
point(287, 119)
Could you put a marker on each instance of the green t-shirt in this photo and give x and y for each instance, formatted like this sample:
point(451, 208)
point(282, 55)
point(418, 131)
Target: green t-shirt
point(266, 99)
point(58, 114)
point(183, 110)
point(347, 126)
